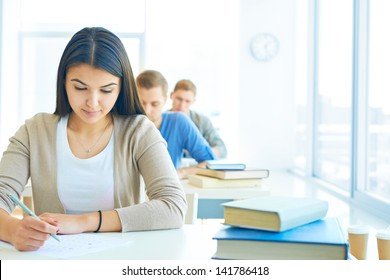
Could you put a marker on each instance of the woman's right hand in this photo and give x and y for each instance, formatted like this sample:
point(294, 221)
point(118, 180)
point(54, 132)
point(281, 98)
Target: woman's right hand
point(29, 234)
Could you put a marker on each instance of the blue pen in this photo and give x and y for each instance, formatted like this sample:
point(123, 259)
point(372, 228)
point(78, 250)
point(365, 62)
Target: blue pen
point(28, 211)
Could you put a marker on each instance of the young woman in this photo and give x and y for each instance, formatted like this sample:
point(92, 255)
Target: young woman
point(85, 160)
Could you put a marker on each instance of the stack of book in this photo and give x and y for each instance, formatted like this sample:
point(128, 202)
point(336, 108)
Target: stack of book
point(279, 228)
point(224, 174)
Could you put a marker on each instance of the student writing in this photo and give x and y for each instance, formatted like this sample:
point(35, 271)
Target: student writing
point(85, 160)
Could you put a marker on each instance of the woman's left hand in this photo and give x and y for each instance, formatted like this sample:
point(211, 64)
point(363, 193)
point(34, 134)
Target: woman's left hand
point(67, 224)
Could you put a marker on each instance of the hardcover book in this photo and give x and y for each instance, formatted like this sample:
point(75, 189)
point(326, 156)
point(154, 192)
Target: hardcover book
point(319, 240)
point(222, 164)
point(209, 182)
point(234, 174)
point(274, 213)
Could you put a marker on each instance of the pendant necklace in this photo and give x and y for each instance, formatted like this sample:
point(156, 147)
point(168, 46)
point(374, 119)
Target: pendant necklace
point(88, 150)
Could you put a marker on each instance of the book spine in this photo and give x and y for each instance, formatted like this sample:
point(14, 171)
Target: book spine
point(302, 216)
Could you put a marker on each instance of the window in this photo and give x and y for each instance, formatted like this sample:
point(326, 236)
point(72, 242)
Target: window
point(41, 28)
point(333, 107)
point(36, 38)
point(378, 111)
point(302, 138)
point(350, 147)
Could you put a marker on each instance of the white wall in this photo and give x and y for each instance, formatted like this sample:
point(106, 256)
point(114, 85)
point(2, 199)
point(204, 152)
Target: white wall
point(266, 89)
point(199, 40)
point(255, 100)
point(207, 41)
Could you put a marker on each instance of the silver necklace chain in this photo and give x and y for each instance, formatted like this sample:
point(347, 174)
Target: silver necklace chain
point(97, 141)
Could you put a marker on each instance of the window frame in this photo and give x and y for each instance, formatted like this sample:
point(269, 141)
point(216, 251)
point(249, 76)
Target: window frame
point(359, 126)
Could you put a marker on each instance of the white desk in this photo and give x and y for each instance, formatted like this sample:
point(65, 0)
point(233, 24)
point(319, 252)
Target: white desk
point(192, 242)
point(210, 199)
point(225, 193)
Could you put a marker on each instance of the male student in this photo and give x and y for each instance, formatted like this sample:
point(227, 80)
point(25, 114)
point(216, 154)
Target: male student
point(183, 96)
point(175, 127)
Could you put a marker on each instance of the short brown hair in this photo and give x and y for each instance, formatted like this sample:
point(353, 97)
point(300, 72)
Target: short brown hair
point(185, 85)
point(151, 78)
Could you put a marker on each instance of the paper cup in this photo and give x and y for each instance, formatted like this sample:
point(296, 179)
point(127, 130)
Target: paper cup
point(383, 240)
point(357, 239)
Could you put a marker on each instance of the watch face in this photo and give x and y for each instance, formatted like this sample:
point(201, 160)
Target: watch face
point(264, 46)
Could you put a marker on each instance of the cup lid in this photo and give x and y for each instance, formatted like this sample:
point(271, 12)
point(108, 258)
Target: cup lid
point(358, 229)
point(383, 234)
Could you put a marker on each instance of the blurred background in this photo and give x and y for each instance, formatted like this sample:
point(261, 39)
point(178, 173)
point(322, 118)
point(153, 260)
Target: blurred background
point(292, 85)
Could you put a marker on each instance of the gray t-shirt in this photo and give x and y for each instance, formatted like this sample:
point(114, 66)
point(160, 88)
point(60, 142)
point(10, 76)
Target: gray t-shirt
point(208, 131)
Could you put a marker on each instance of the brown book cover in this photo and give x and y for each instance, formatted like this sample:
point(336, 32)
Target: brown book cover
point(209, 182)
point(234, 174)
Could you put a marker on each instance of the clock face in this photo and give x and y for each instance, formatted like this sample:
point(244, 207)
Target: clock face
point(264, 46)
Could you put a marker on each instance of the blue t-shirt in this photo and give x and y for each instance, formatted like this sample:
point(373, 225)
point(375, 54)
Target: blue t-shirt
point(181, 133)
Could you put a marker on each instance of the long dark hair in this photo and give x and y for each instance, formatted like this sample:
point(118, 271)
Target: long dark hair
point(98, 47)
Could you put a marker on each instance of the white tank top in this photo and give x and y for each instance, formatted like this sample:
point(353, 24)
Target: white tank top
point(84, 185)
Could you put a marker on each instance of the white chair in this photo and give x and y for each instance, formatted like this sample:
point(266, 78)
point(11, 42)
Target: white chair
point(192, 208)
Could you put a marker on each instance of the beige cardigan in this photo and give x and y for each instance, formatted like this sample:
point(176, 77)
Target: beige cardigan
point(139, 149)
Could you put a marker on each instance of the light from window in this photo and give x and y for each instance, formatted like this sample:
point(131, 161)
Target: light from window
point(378, 140)
point(332, 160)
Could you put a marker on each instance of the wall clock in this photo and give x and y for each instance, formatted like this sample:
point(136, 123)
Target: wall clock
point(264, 46)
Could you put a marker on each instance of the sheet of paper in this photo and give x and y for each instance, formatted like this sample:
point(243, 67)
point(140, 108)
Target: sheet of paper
point(78, 244)
point(74, 245)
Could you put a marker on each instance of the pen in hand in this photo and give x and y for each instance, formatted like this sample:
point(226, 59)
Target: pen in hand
point(28, 211)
